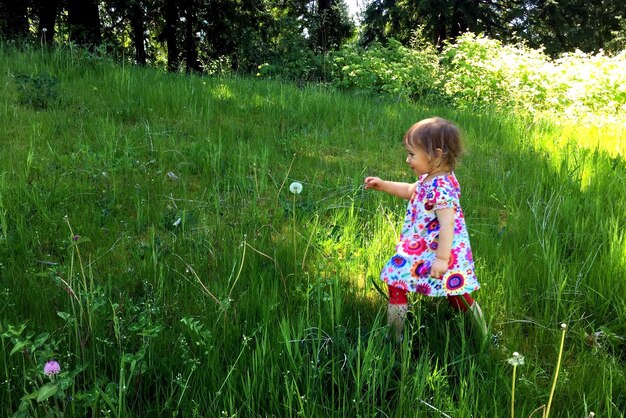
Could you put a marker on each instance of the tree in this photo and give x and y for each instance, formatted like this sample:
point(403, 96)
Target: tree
point(136, 17)
point(330, 25)
point(169, 34)
point(189, 9)
point(47, 11)
point(83, 19)
point(567, 25)
point(438, 20)
point(13, 21)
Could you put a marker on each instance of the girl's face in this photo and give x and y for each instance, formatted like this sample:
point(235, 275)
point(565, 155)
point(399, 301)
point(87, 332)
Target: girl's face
point(418, 159)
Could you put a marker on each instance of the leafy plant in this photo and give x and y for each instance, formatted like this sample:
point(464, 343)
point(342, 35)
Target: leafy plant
point(37, 91)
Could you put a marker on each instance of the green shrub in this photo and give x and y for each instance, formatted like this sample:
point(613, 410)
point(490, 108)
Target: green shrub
point(37, 92)
point(392, 69)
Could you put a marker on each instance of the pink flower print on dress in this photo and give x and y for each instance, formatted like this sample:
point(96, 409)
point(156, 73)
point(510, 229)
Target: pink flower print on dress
point(414, 247)
point(399, 284)
point(423, 289)
point(458, 227)
point(454, 258)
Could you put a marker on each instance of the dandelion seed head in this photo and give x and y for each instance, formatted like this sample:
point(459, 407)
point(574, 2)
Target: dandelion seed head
point(516, 360)
point(295, 187)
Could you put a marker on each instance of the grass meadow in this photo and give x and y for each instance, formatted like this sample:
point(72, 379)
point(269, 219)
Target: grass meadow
point(149, 243)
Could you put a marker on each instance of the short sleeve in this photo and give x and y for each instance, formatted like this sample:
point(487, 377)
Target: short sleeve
point(446, 193)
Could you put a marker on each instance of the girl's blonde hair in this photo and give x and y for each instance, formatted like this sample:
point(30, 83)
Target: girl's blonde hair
point(437, 133)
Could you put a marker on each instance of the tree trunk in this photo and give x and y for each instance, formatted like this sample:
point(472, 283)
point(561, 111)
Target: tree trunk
point(47, 10)
point(137, 16)
point(171, 17)
point(459, 21)
point(83, 19)
point(13, 20)
point(440, 33)
point(323, 10)
point(191, 53)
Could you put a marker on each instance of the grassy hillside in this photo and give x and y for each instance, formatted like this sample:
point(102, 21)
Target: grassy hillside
point(149, 243)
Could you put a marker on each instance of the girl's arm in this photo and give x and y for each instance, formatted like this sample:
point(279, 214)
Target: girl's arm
point(394, 188)
point(446, 236)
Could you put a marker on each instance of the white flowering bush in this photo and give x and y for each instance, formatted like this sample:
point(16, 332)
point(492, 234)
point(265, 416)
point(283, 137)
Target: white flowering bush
point(477, 72)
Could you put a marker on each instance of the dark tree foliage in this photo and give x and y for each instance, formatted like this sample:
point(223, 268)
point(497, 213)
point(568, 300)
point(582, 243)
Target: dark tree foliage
point(122, 20)
point(192, 34)
point(568, 25)
point(136, 17)
point(197, 35)
point(47, 12)
point(170, 11)
point(437, 20)
point(330, 24)
point(13, 19)
point(189, 12)
point(559, 26)
point(83, 19)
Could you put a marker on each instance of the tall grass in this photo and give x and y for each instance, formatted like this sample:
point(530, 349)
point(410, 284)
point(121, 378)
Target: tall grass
point(149, 243)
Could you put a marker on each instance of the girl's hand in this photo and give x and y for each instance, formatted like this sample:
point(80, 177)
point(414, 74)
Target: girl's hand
point(438, 268)
point(373, 183)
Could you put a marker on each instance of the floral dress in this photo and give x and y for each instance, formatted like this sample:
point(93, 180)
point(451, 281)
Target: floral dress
point(409, 268)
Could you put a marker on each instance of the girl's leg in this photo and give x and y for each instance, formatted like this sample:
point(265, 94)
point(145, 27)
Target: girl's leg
point(396, 311)
point(466, 303)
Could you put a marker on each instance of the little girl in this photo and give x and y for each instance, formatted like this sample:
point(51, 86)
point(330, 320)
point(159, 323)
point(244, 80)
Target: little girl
point(433, 256)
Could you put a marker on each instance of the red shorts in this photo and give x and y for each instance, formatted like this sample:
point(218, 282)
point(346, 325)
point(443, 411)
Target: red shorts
point(458, 302)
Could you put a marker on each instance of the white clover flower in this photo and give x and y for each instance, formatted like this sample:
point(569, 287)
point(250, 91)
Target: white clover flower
point(516, 360)
point(295, 187)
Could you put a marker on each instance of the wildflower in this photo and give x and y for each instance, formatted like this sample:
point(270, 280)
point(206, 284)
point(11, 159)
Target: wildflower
point(295, 187)
point(516, 360)
point(76, 237)
point(44, 30)
point(51, 368)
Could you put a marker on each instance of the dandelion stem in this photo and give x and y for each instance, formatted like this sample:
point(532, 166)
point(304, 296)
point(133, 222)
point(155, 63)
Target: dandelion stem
point(556, 372)
point(293, 214)
point(513, 393)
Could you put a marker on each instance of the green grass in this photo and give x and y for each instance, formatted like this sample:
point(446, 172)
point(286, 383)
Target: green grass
point(149, 243)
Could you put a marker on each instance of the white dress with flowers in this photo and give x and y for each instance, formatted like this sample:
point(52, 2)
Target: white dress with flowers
point(409, 268)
